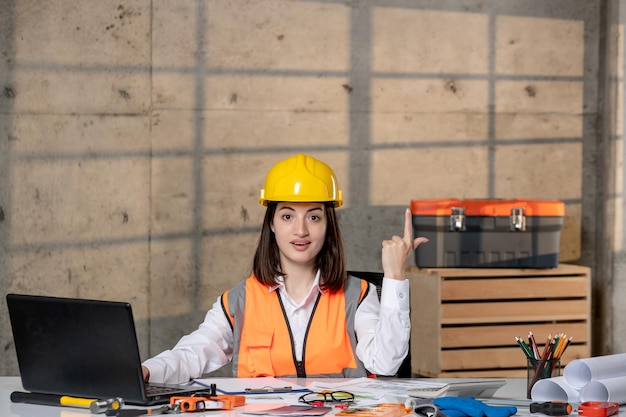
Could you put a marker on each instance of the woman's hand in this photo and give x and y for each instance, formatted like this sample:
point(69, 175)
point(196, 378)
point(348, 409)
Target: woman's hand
point(396, 252)
point(146, 373)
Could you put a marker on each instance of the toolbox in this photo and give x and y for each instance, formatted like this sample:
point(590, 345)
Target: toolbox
point(490, 233)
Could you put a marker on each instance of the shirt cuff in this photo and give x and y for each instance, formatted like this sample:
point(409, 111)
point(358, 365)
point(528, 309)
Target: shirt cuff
point(156, 372)
point(395, 294)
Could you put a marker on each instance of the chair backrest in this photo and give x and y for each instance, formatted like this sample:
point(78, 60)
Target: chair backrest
point(376, 278)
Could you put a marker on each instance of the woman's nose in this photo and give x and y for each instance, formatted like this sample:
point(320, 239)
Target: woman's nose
point(301, 227)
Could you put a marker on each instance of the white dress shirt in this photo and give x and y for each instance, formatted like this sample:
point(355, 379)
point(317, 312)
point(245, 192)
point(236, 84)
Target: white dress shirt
point(382, 328)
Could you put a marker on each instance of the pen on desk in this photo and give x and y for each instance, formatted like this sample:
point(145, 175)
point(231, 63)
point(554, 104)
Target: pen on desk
point(268, 397)
point(267, 389)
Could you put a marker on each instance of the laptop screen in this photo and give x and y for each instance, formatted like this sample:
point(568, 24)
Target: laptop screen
point(76, 347)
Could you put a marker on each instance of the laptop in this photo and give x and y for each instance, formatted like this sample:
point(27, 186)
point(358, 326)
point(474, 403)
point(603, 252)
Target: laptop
point(82, 348)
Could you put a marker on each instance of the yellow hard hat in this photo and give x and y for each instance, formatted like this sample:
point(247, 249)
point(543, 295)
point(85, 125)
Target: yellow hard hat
point(301, 178)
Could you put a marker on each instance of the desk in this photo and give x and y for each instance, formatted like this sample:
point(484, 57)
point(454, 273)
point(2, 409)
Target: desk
point(515, 388)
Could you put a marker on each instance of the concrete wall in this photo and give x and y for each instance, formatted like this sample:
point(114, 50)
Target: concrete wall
point(614, 309)
point(135, 135)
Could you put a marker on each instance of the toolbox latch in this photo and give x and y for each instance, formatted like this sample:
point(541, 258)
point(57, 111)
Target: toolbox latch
point(457, 219)
point(518, 220)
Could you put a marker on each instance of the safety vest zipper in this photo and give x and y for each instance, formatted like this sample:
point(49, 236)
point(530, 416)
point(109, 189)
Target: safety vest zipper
point(299, 365)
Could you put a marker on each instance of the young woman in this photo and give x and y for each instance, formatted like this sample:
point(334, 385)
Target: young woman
point(299, 313)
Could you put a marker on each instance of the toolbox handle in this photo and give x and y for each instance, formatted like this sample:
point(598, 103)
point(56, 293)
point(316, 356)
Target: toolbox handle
point(518, 220)
point(457, 219)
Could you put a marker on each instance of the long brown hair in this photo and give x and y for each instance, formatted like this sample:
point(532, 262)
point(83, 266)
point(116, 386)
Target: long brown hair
point(331, 261)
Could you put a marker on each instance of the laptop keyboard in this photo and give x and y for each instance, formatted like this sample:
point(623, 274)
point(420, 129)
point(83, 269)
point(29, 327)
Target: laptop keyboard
point(154, 391)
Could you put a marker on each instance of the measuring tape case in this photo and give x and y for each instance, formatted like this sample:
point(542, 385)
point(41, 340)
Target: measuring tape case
point(488, 233)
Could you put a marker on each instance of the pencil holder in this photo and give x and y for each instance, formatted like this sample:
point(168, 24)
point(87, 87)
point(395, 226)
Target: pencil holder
point(540, 369)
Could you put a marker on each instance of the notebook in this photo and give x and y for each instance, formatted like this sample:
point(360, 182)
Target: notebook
point(461, 388)
point(82, 348)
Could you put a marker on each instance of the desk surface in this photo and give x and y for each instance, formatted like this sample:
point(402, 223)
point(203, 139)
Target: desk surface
point(515, 388)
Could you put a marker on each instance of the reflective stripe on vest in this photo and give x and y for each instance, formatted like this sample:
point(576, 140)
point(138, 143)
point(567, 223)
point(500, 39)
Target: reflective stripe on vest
point(262, 338)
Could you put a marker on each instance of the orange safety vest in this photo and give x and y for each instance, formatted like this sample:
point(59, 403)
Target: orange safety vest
point(262, 337)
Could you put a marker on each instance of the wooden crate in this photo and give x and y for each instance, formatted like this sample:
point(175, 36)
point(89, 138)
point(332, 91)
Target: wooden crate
point(464, 320)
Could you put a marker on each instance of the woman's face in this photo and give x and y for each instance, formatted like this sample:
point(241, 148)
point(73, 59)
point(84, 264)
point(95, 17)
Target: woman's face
point(300, 230)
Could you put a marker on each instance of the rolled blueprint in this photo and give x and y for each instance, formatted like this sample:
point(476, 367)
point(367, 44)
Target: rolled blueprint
point(554, 389)
point(580, 372)
point(609, 389)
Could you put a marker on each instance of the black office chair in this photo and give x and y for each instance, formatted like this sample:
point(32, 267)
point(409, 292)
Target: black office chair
point(376, 278)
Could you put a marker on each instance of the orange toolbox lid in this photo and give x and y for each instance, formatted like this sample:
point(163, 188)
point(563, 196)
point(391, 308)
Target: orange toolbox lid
point(478, 207)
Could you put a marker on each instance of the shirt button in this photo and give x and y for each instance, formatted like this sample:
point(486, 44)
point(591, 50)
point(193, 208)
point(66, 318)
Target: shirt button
point(401, 295)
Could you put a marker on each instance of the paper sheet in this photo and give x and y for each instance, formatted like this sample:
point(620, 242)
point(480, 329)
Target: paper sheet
point(291, 410)
point(600, 378)
point(582, 371)
point(609, 389)
point(374, 388)
point(554, 389)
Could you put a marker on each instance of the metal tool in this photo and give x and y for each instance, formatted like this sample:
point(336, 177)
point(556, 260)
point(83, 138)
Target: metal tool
point(165, 409)
point(102, 406)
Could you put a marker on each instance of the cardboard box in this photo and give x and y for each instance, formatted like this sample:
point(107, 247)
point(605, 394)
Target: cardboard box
point(488, 233)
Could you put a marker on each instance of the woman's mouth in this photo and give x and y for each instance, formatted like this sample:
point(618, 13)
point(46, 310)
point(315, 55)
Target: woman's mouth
point(300, 245)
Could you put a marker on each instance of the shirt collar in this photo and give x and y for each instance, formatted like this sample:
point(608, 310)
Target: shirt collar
point(281, 283)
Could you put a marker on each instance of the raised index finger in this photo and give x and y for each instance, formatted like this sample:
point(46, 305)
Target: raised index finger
point(408, 227)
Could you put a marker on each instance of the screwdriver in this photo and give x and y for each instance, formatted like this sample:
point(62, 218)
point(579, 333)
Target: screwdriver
point(551, 408)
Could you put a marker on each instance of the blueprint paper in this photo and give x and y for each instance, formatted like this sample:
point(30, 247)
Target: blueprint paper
point(600, 378)
point(580, 372)
point(554, 389)
point(610, 389)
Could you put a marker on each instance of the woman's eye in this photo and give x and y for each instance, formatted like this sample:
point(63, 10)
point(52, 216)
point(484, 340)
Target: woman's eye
point(286, 216)
point(315, 218)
